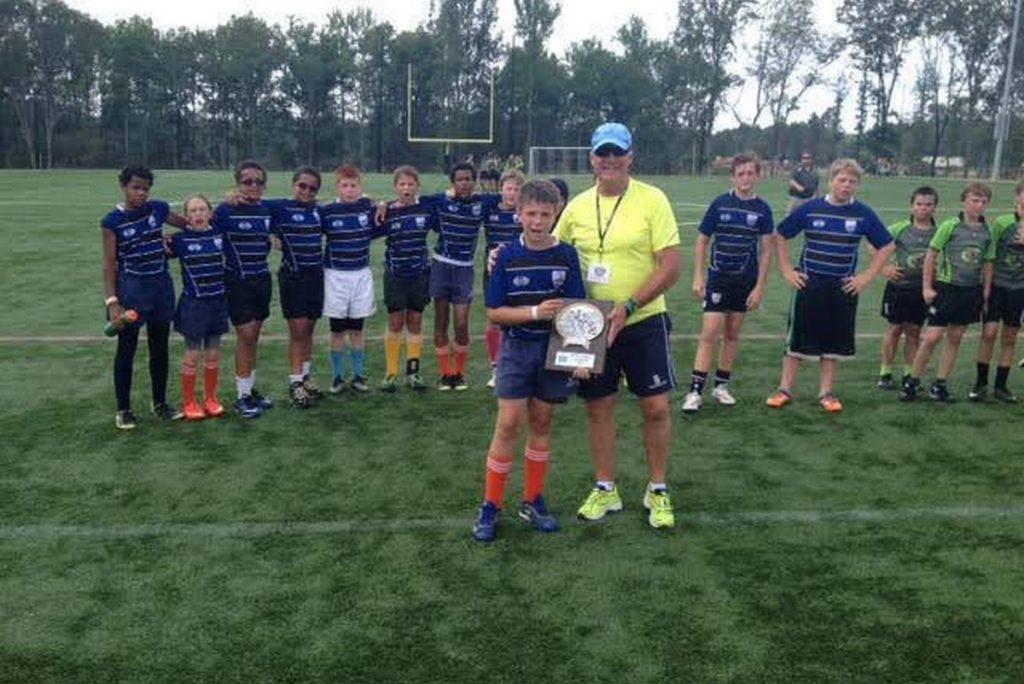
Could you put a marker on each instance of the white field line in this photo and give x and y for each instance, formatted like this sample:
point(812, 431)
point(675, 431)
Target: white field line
point(15, 340)
point(45, 531)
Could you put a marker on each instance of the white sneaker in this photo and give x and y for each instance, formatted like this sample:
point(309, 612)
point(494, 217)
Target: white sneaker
point(692, 402)
point(493, 381)
point(723, 396)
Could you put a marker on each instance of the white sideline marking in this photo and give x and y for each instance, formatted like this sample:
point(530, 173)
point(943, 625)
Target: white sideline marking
point(42, 532)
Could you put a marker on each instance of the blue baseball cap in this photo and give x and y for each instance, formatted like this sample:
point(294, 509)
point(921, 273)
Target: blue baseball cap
point(611, 133)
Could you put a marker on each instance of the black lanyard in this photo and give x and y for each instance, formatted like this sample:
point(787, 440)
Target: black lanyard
point(603, 232)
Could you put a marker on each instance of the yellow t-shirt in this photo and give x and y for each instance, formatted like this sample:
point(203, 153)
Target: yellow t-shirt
point(643, 225)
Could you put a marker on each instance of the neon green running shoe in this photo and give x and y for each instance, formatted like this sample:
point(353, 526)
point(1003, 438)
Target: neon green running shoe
point(599, 503)
point(659, 509)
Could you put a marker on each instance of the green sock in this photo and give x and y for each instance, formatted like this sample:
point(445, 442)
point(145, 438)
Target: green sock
point(886, 369)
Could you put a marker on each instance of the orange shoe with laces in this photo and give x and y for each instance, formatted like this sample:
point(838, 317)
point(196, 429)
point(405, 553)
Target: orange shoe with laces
point(213, 407)
point(830, 403)
point(779, 398)
point(193, 411)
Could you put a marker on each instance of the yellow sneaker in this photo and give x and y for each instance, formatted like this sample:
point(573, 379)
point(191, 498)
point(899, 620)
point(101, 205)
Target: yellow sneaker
point(659, 509)
point(599, 503)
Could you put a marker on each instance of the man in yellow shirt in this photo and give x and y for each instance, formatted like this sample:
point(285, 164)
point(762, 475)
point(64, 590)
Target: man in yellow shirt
point(628, 242)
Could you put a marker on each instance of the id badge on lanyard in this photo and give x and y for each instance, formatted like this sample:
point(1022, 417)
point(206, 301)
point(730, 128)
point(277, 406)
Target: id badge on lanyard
point(599, 272)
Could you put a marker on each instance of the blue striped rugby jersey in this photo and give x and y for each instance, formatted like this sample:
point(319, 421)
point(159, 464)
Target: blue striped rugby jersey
point(406, 229)
point(298, 227)
point(527, 277)
point(501, 226)
point(349, 228)
point(460, 221)
point(246, 232)
point(140, 238)
point(201, 254)
point(736, 226)
point(832, 235)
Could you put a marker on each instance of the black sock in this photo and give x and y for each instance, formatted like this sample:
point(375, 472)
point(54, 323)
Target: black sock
point(412, 366)
point(124, 359)
point(697, 380)
point(982, 375)
point(157, 334)
point(722, 377)
point(1002, 375)
point(940, 382)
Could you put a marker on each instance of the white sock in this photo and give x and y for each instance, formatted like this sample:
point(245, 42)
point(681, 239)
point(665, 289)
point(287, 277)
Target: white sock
point(657, 486)
point(606, 485)
point(244, 385)
point(294, 378)
point(305, 367)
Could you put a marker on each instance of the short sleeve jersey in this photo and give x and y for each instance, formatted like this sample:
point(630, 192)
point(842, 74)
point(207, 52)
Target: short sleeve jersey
point(201, 255)
point(911, 250)
point(460, 221)
point(736, 226)
point(527, 277)
point(962, 251)
point(642, 226)
point(832, 235)
point(1009, 265)
point(139, 235)
point(246, 232)
point(298, 227)
point(808, 180)
point(349, 228)
point(501, 226)
point(405, 229)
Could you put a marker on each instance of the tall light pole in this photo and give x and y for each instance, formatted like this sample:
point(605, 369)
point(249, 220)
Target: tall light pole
point(1003, 118)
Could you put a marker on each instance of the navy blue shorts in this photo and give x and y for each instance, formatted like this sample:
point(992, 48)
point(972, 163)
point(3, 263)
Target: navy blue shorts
point(521, 374)
point(152, 297)
point(201, 317)
point(727, 292)
point(642, 354)
point(302, 293)
point(451, 282)
point(406, 294)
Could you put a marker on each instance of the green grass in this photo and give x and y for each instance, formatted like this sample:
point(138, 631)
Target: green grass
point(884, 544)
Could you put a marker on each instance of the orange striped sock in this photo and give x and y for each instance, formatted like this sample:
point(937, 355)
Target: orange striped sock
point(461, 355)
point(443, 362)
point(536, 467)
point(497, 477)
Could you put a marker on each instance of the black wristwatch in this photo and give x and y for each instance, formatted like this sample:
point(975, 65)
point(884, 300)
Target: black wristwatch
point(631, 306)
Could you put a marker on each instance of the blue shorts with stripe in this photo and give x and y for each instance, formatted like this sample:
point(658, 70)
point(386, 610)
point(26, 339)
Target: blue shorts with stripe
point(521, 374)
point(152, 297)
point(642, 353)
point(451, 282)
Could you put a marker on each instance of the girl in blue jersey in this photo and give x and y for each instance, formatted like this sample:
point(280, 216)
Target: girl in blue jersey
point(135, 278)
point(202, 313)
point(531, 277)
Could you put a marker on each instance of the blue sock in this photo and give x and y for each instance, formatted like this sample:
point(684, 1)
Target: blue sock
point(357, 362)
point(338, 363)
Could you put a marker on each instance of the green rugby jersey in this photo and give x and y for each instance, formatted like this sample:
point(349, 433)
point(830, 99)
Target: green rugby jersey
point(962, 251)
point(1009, 267)
point(911, 249)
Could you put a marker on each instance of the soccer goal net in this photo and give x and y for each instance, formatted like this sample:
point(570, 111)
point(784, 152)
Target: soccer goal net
point(558, 161)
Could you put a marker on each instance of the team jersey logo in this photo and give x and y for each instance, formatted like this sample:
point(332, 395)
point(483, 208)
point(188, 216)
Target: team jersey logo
point(244, 225)
point(850, 225)
point(493, 218)
point(818, 223)
point(421, 221)
point(1013, 260)
point(152, 221)
point(751, 219)
point(195, 247)
point(716, 297)
point(337, 223)
point(129, 232)
point(970, 255)
point(477, 210)
point(557, 278)
point(452, 208)
point(218, 242)
point(725, 218)
point(298, 218)
point(521, 281)
point(364, 220)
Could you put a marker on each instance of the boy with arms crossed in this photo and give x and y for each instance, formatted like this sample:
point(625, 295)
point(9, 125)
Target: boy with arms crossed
point(741, 225)
point(525, 291)
point(822, 322)
point(956, 285)
point(902, 304)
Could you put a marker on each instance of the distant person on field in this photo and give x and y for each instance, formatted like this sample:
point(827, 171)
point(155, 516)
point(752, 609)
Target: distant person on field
point(532, 276)
point(1002, 318)
point(628, 241)
point(957, 283)
point(823, 316)
point(738, 225)
point(803, 185)
point(903, 306)
point(501, 227)
point(136, 278)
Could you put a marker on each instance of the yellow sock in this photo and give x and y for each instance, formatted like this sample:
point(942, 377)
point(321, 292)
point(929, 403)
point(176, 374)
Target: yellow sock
point(392, 350)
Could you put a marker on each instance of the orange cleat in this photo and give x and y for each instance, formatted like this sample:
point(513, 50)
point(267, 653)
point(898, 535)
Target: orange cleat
point(830, 403)
point(193, 411)
point(779, 398)
point(213, 407)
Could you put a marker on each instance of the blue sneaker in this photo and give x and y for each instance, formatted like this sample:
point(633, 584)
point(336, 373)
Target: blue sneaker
point(247, 407)
point(536, 513)
point(265, 403)
point(486, 527)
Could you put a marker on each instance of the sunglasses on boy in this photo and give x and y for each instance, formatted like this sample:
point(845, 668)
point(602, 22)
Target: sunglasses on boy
point(306, 187)
point(252, 182)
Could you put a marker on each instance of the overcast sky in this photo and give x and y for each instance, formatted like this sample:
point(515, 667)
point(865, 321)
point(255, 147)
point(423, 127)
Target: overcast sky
point(580, 19)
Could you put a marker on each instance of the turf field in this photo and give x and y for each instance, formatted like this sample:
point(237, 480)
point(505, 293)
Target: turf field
point(884, 544)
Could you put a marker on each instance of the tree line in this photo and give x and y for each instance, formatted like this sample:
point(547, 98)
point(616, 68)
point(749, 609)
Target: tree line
point(77, 93)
